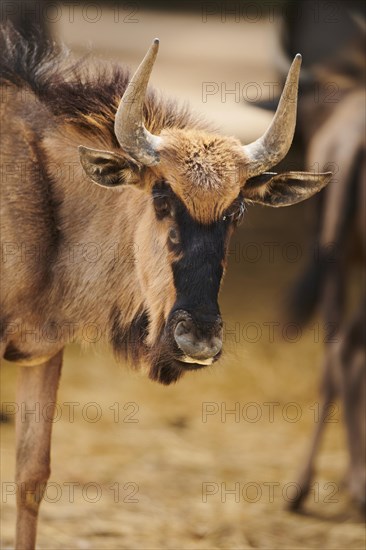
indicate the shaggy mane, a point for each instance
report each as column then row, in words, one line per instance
column 82, row 93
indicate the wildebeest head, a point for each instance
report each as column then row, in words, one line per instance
column 198, row 183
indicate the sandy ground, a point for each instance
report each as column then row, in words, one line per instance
column 139, row 466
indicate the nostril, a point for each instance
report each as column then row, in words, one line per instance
column 201, row 349
column 182, row 328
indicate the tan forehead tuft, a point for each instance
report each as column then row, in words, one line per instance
column 203, row 170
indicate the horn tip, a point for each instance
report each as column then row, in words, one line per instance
column 156, row 41
column 298, row 57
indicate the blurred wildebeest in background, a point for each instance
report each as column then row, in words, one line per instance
column 331, row 128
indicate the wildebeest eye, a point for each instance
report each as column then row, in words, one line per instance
column 162, row 207
column 173, row 236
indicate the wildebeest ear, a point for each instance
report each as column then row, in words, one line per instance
column 273, row 189
column 108, row 169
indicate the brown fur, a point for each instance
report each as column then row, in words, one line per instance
column 210, row 167
column 53, row 213
column 61, row 211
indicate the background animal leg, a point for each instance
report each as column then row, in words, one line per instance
column 353, row 380
column 328, row 394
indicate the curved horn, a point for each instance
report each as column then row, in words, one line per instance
column 272, row 147
column 129, row 121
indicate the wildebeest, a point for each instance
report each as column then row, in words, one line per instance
column 331, row 122
column 153, row 189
